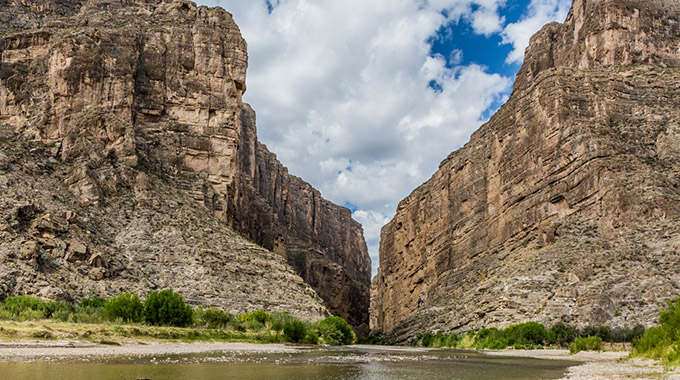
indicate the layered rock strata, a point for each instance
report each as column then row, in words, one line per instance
column 130, row 97
column 565, row 206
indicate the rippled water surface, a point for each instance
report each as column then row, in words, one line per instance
column 317, row 364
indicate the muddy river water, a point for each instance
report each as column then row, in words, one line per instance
column 318, row 364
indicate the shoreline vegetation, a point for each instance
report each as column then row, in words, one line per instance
column 162, row 316
column 35, row 329
column 534, row 335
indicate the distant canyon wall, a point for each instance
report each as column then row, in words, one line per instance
column 125, row 87
column 565, row 206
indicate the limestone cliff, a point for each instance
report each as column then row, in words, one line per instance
column 566, row 204
column 132, row 115
column 319, row 239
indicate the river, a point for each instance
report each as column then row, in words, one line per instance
column 335, row 363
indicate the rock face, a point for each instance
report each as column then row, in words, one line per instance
column 319, row 239
column 565, row 206
column 135, row 107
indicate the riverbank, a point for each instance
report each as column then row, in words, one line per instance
column 69, row 350
column 605, row 365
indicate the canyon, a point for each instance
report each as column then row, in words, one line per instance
column 129, row 162
column 565, row 205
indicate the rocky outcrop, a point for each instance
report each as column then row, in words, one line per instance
column 128, row 98
column 288, row 216
column 565, row 205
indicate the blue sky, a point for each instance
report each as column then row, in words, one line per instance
column 363, row 99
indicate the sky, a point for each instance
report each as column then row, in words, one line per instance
column 364, row 98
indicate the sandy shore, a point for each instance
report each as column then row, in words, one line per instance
column 29, row 351
column 607, row 365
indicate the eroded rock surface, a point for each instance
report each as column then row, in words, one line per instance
column 565, row 206
column 134, row 107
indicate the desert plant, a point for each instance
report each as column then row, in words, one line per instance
column 126, row 307
column 93, row 303
column 16, row 305
column 590, row 343
column 294, row 331
column 561, row 334
column 167, row 308
column 336, row 331
column 215, row 318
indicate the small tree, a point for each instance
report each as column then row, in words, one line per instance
column 335, row 331
column 562, row 334
column 126, row 307
column 215, row 318
column 294, row 331
column 167, row 308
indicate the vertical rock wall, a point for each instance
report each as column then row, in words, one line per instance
column 124, row 87
column 565, row 205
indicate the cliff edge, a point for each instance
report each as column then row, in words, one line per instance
column 565, row 206
column 130, row 162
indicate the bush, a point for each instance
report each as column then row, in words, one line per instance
column 670, row 319
column 295, row 331
column 93, row 303
column 58, row 310
column 126, row 307
column 279, row 320
column 526, row 334
column 167, row 308
column 591, row 343
column 371, row 339
column 215, row 319
column 336, row 331
column 653, row 343
column 260, row 316
column 638, row 332
column 311, row 338
column 16, row 305
column 561, row 334
column 426, row 339
column 492, row 338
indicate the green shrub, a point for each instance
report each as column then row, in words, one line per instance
column 638, row 332
column 653, row 343
column 336, row 331
column 279, row 320
column 260, row 316
column 18, row 304
column 590, row 343
column 294, row 331
column 670, row 319
column 492, row 338
column 126, row 307
column 215, row 319
column 452, row 340
column 561, row 334
column 167, row 308
column 426, row 339
column 311, row 338
column 526, row 334
column 93, row 303
column 371, row 339
column 58, row 310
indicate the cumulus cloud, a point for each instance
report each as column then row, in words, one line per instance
column 540, row 12
column 350, row 97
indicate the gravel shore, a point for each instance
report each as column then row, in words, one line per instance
column 607, row 365
column 67, row 350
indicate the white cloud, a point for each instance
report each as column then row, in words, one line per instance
column 343, row 96
column 540, row 13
